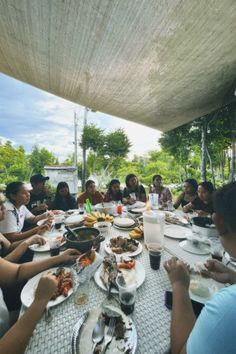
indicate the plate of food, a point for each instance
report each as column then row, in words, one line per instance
column 124, row 340
column 94, row 217
column 88, row 262
column 45, row 247
column 137, row 232
column 74, row 219
column 106, row 275
column 125, row 246
column 64, row 289
column 58, row 212
column 175, row 219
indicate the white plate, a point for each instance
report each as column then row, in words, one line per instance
column 124, row 222
column 213, row 287
column 27, row 294
column 176, row 231
column 124, row 228
column 74, row 219
column 201, row 248
column 138, row 210
column 59, row 212
column 85, row 328
column 125, row 254
column 230, row 259
column 43, row 248
column 139, row 273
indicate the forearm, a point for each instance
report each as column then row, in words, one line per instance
column 17, row 338
column 183, row 318
column 15, row 255
column 19, row 236
column 29, row 269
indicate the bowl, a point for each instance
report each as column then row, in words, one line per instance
column 83, row 246
column 107, row 208
column 103, row 226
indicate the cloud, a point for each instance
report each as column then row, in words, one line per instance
column 30, row 116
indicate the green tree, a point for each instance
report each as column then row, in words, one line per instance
column 13, row 164
column 40, row 158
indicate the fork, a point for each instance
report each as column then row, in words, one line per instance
column 109, row 335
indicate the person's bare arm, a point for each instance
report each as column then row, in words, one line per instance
column 19, row 236
column 183, row 317
column 178, row 201
column 15, row 255
column 17, row 338
column 143, row 198
column 12, row 273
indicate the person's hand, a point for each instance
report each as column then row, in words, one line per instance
column 131, row 201
column 69, row 255
column 36, row 239
column 219, row 272
column 43, row 228
column 188, row 207
column 42, row 206
column 46, row 287
column 178, row 272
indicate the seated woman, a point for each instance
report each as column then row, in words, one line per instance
column 189, row 193
column 203, row 205
column 113, row 193
column 133, row 191
column 90, row 193
column 164, row 194
column 16, row 213
column 16, row 339
column 63, row 199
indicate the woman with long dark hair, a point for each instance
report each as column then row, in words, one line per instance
column 188, row 195
column 114, row 192
column 133, row 191
column 203, row 204
column 63, row 199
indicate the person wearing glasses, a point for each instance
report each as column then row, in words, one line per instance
column 16, row 213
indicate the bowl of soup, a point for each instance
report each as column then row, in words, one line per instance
column 86, row 238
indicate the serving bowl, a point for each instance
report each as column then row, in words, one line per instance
column 83, row 232
column 107, row 208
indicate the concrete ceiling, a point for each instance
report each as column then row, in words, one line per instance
column 160, row 63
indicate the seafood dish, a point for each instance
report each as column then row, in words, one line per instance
column 121, row 244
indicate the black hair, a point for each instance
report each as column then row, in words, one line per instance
column 224, row 201
column 193, row 183
column 13, row 188
column 208, row 186
column 155, row 176
column 128, row 177
column 112, row 183
column 88, row 183
column 60, row 186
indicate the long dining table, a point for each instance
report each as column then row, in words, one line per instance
column 151, row 317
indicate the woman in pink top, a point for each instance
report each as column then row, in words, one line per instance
column 164, row 193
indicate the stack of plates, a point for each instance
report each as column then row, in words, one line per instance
column 124, row 223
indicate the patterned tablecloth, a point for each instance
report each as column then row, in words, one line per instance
column 151, row 317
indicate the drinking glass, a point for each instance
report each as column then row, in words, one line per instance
column 127, row 293
column 82, row 291
column 155, row 252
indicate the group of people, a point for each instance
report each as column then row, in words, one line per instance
column 212, row 332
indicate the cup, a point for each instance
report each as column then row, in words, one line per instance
column 119, row 208
column 153, row 200
column 155, row 252
column 127, row 293
column 82, row 292
column 54, row 244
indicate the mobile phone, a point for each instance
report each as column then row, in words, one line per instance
column 197, row 306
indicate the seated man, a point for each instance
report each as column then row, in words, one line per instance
column 40, row 197
column 214, row 330
column 90, row 193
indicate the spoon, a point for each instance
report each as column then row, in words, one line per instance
column 98, row 332
column 71, row 232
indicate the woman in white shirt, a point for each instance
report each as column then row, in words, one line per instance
column 16, row 213
column 15, row 339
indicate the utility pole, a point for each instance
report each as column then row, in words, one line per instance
column 76, row 140
column 84, row 151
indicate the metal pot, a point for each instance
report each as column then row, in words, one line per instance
column 204, row 227
column 84, row 246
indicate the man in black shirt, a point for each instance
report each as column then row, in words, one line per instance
column 40, row 197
